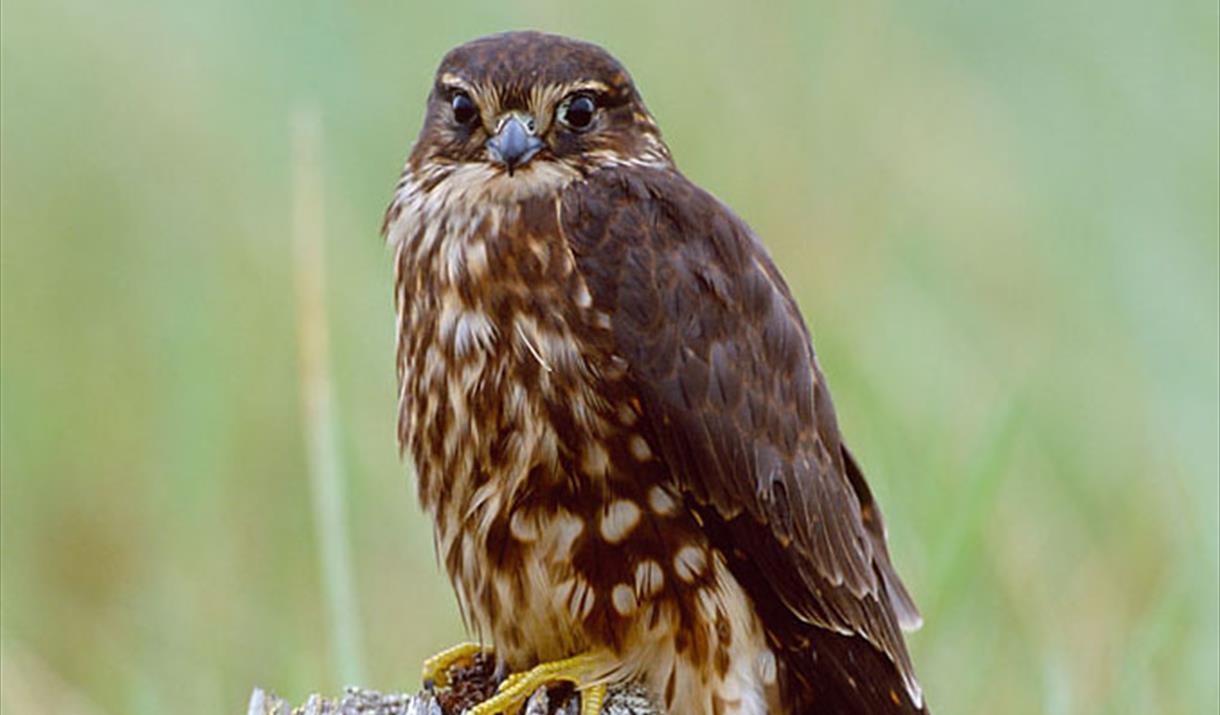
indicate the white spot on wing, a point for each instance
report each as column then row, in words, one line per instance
column 689, row 562
column 583, row 298
column 639, row 448
column 661, row 501
column 648, row 578
column 619, row 518
column 623, row 598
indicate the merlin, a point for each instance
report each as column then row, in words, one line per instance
column 617, row 421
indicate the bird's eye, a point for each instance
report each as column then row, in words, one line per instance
column 464, row 111
column 577, row 111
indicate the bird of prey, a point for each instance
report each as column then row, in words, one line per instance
column 617, row 421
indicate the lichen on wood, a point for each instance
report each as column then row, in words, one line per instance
column 467, row 687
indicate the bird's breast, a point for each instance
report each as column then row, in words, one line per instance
column 498, row 341
column 507, row 385
column 514, row 407
column 553, row 514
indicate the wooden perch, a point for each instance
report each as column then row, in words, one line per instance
column 468, row 686
column 629, row 700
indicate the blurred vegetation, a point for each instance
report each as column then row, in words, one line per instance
column 1000, row 219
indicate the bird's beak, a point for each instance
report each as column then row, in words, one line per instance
column 514, row 143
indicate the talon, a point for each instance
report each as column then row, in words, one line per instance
column 436, row 668
column 511, row 680
column 517, row 688
column 591, row 700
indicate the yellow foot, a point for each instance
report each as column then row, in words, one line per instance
column 436, row 668
column 591, row 699
column 517, row 688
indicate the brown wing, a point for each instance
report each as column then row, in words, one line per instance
column 724, row 368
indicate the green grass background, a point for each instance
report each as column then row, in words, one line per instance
column 1000, row 219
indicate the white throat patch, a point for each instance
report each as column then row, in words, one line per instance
column 469, row 188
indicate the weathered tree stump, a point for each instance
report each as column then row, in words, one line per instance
column 467, row 687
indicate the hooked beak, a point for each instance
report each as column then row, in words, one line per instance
column 514, row 143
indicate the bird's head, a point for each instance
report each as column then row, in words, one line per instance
column 532, row 109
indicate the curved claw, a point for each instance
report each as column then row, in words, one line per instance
column 436, row 668
column 591, row 700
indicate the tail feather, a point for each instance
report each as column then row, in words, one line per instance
column 834, row 674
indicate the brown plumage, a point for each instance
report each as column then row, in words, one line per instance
column 614, row 409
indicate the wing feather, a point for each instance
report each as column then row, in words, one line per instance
column 725, row 370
